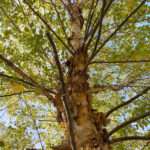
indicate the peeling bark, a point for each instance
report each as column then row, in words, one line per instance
column 89, row 130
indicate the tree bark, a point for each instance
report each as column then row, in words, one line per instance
column 89, row 126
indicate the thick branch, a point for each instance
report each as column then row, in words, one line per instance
column 129, row 138
column 128, row 101
column 119, row 62
column 128, row 122
column 117, row 29
column 64, row 90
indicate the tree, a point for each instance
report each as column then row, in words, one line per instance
column 89, row 60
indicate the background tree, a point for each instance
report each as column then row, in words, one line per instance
column 74, row 74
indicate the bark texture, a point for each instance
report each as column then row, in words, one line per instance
column 89, row 126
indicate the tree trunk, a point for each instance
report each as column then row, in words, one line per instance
column 89, row 130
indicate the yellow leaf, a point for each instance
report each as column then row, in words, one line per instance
column 131, row 4
column 15, row 87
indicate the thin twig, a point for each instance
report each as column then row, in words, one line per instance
column 114, row 87
column 14, row 94
column 16, row 69
column 98, row 23
column 20, row 72
column 25, row 16
column 62, row 24
column 122, row 125
column 89, row 19
column 117, row 29
column 129, row 138
column 49, row 27
column 24, row 82
column 119, row 62
column 34, row 122
column 16, row 79
column 128, row 101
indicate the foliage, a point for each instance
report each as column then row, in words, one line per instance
column 23, row 40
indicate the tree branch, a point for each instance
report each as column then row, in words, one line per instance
column 16, row 79
column 102, row 14
column 98, row 24
column 117, row 29
column 128, row 101
column 48, row 26
column 128, row 122
column 115, row 87
column 129, row 138
column 89, row 19
column 119, row 62
column 65, row 95
column 14, row 94
column 24, row 82
column 61, row 22
column 17, row 70
column 66, row 6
